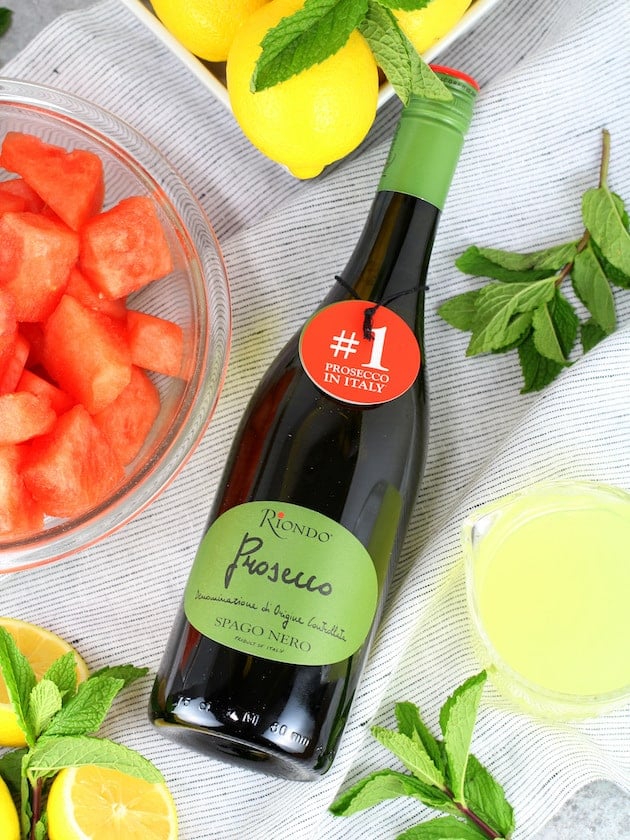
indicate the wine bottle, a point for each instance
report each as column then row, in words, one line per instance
column 289, row 581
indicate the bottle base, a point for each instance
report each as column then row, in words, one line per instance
column 241, row 753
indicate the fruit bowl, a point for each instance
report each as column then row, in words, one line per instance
column 212, row 74
column 194, row 294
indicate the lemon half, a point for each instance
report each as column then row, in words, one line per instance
column 97, row 803
column 41, row 648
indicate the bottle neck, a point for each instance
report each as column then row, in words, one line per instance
column 389, row 263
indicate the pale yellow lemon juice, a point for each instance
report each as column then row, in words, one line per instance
column 548, row 573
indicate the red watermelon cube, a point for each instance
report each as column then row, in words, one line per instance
column 128, row 420
column 14, row 366
column 58, row 400
column 73, row 467
column 155, row 343
column 11, row 203
column 70, row 182
column 19, row 513
column 124, row 248
column 8, row 328
column 81, row 289
column 17, row 187
column 23, row 416
column 85, row 354
column 35, row 261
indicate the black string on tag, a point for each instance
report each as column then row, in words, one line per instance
column 370, row 311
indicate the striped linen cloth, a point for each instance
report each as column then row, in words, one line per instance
column 553, row 73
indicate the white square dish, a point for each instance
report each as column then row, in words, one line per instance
column 213, row 75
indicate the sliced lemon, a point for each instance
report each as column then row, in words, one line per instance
column 9, row 823
column 41, row 648
column 96, row 803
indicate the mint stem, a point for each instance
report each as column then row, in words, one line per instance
column 568, row 268
column 474, row 819
column 603, row 175
column 603, row 168
column 36, row 806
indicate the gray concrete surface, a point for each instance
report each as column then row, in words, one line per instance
column 601, row 811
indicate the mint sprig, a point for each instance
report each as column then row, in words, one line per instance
column 525, row 309
column 443, row 774
column 321, row 27
column 59, row 719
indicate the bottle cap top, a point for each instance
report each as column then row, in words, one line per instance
column 429, row 139
column 458, row 74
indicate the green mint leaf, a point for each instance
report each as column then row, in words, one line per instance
column 497, row 305
column 412, row 754
column 309, row 36
column 591, row 286
column 44, row 703
column 521, row 336
column 63, row 673
column 457, row 721
column 621, row 209
column 51, row 755
column 538, row 371
column 383, row 785
column 601, row 216
column 41, row 829
column 398, row 58
column 406, row 5
column 443, row 828
column 475, row 261
column 486, row 798
column 460, row 311
column 555, row 327
column 411, row 724
column 612, row 272
column 11, row 770
column 127, row 673
column 6, row 15
column 85, row 712
column 19, row 679
column 549, row 259
column 591, row 334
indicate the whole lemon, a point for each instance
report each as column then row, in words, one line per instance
column 313, row 118
column 205, row 27
column 9, row 823
column 424, row 27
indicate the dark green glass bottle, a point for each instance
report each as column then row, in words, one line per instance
column 290, row 578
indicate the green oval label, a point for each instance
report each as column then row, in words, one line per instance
column 282, row 582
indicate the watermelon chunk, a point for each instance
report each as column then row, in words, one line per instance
column 85, row 354
column 81, row 289
column 35, row 260
column 23, row 416
column 8, row 329
column 124, row 248
column 15, row 365
column 11, row 203
column 127, row 421
column 18, row 187
column 155, row 343
column 19, row 513
column 58, row 400
column 73, row 467
column 70, row 183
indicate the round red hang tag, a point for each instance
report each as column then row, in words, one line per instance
column 346, row 365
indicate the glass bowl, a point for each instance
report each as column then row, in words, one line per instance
column 548, row 583
column 195, row 295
